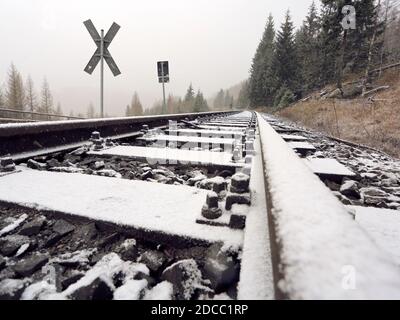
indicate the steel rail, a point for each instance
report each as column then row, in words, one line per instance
column 33, row 113
column 14, row 120
column 23, row 138
column 315, row 243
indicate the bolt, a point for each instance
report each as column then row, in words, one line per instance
column 98, row 144
column 211, row 209
column 109, row 142
column 240, row 183
column 219, row 186
column 7, row 164
column 212, row 200
column 95, row 135
column 236, row 154
column 211, row 213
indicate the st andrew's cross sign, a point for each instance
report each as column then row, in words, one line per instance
column 102, row 42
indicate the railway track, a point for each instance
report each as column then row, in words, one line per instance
column 196, row 206
column 13, row 120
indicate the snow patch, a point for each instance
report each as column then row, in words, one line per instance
column 383, row 226
column 131, row 290
column 11, row 227
column 39, row 291
column 78, row 257
column 105, row 269
column 162, row 291
column 11, row 286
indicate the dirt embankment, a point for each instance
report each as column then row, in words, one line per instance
column 374, row 123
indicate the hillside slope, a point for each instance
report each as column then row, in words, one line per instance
column 374, row 123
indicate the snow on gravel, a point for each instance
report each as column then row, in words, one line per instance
column 192, row 275
column 322, row 249
column 10, row 286
column 150, row 206
column 162, row 291
column 105, row 269
column 14, row 225
column 39, row 291
column 131, row 290
column 78, row 257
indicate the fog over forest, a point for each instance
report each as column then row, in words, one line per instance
column 208, row 43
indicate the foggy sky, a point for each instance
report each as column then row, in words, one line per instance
column 208, row 42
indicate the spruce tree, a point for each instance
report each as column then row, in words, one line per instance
column 200, row 104
column 59, row 111
column 285, row 59
column 228, row 100
column 2, row 113
column 128, row 111
column 2, row 102
column 365, row 38
column 31, row 98
column 47, row 98
column 308, row 51
column 337, row 43
column 1, row 98
column 189, row 99
column 180, row 105
column 330, row 38
column 261, row 82
column 243, row 99
column 219, row 99
column 136, row 106
column 15, row 94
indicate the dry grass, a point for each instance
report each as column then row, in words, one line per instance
column 375, row 124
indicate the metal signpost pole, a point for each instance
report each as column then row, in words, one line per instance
column 163, row 86
column 102, row 73
column 102, row 54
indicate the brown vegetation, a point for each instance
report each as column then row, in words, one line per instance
column 374, row 122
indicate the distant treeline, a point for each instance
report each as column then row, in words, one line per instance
column 192, row 102
column 290, row 64
column 225, row 100
column 21, row 95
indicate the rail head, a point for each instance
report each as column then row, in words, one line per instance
column 14, row 129
column 25, row 139
column 320, row 251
